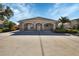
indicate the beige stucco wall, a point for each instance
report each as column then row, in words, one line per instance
column 74, row 23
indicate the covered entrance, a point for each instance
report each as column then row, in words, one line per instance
column 38, row 26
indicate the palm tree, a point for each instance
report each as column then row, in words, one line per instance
column 6, row 13
column 63, row 20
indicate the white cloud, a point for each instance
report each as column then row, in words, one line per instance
column 16, row 11
column 59, row 11
column 57, row 5
column 22, row 11
column 69, row 10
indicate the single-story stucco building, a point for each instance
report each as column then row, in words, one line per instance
column 38, row 23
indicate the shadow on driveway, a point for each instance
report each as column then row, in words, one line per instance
column 39, row 33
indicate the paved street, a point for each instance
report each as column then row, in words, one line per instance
column 39, row 43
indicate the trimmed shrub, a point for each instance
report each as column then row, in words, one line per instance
column 60, row 30
column 72, row 31
column 66, row 31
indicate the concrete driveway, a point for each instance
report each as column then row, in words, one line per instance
column 41, row 44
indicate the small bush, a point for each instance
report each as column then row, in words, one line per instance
column 1, row 30
column 6, row 29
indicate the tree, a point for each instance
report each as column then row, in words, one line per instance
column 11, row 24
column 8, row 12
column 5, row 13
column 8, row 24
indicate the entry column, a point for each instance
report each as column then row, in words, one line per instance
column 54, row 26
column 43, row 28
column 34, row 26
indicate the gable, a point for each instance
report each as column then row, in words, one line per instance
column 38, row 19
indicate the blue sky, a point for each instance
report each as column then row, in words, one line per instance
column 47, row 10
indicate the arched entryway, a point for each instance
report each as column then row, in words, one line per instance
column 38, row 26
column 48, row 26
column 28, row 26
